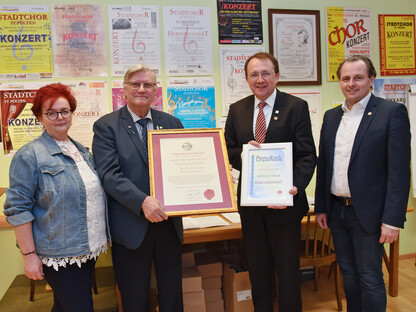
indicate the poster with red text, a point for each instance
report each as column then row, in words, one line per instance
column 134, row 37
column 397, row 45
column 239, row 22
column 119, row 100
column 234, row 86
column 18, row 124
column 92, row 98
column 188, row 41
column 348, row 33
column 79, row 40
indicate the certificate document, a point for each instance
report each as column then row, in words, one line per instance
column 189, row 173
column 295, row 45
column 267, row 175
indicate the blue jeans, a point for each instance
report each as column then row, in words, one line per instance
column 360, row 256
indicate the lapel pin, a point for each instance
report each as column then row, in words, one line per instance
column 369, row 113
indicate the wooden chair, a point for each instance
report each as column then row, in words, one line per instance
column 317, row 251
column 32, row 287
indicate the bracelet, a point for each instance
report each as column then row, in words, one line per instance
column 26, row 254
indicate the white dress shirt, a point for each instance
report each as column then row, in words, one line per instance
column 344, row 141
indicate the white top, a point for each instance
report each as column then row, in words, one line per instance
column 344, row 141
column 97, row 237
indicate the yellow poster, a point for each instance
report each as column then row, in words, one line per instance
column 397, row 45
column 25, row 42
column 348, row 33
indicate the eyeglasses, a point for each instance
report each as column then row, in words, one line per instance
column 54, row 115
column 137, row 85
column 264, row 75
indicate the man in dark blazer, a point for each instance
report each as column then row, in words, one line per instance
column 363, row 181
column 272, row 234
column 140, row 229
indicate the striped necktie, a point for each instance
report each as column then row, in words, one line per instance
column 143, row 123
column 260, row 130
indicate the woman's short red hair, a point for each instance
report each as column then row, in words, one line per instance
column 53, row 92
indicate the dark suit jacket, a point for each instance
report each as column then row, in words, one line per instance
column 293, row 124
column 379, row 168
column 124, row 171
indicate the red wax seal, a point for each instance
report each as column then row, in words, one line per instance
column 209, row 193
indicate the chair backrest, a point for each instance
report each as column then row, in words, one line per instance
column 317, row 248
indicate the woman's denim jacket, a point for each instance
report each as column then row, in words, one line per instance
column 47, row 190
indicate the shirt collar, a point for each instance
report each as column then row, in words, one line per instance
column 135, row 117
column 269, row 101
column 362, row 103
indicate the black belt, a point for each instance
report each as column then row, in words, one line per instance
column 345, row 201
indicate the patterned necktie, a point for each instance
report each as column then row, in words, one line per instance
column 143, row 123
column 260, row 130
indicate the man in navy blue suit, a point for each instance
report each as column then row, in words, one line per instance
column 272, row 234
column 363, row 181
column 140, row 229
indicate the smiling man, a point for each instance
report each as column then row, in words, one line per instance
column 272, row 234
column 140, row 229
column 363, row 181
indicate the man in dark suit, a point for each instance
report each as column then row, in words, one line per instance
column 272, row 234
column 140, row 229
column 363, row 181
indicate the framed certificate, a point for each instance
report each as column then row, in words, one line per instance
column 294, row 39
column 267, row 175
column 189, row 171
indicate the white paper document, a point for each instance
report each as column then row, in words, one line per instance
column 202, row 222
column 233, row 217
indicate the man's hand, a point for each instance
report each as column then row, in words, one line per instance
column 293, row 191
column 388, row 235
column 153, row 210
column 256, row 144
column 320, row 218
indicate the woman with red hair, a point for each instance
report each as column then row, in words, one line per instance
column 56, row 204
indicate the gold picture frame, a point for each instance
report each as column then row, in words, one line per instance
column 190, row 172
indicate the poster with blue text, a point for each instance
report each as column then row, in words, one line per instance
column 393, row 89
column 192, row 100
column 25, row 42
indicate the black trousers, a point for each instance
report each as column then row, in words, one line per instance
column 132, row 270
column 272, row 247
column 71, row 287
